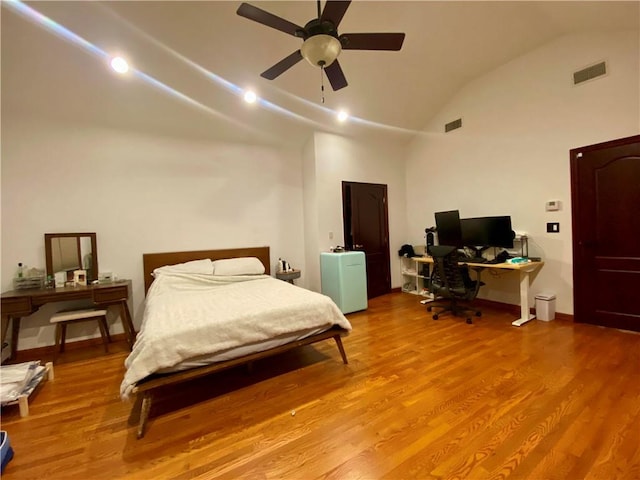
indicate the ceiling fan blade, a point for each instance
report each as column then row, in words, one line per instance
column 334, row 11
column 282, row 66
column 372, row 41
column 269, row 19
column 336, row 76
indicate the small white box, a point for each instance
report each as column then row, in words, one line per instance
column 105, row 277
column 60, row 278
column 545, row 306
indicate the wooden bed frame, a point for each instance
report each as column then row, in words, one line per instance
column 147, row 386
column 151, row 261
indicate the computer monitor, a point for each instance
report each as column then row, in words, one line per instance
column 448, row 228
column 500, row 232
column 485, row 232
column 475, row 232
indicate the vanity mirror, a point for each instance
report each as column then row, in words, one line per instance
column 67, row 252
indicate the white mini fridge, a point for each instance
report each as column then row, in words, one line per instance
column 344, row 279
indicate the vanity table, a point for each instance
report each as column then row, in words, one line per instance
column 21, row 303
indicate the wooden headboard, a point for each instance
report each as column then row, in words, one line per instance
column 151, row 261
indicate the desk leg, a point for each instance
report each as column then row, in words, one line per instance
column 15, row 333
column 525, row 316
column 127, row 323
column 5, row 326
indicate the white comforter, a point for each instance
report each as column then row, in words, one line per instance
column 188, row 315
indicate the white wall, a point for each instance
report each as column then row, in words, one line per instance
column 312, row 270
column 339, row 159
column 519, row 123
column 140, row 194
column 144, row 193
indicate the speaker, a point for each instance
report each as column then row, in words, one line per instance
column 430, row 241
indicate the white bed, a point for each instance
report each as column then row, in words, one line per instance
column 196, row 322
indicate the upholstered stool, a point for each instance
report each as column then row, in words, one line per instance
column 61, row 319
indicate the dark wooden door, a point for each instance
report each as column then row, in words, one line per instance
column 605, row 195
column 366, row 228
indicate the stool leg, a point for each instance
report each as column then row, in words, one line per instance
column 104, row 333
column 64, row 335
column 57, row 346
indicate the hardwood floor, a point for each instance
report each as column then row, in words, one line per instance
column 419, row 399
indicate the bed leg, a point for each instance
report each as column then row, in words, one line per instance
column 144, row 413
column 341, row 348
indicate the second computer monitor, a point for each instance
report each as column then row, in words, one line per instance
column 487, row 232
column 501, row 233
column 475, row 232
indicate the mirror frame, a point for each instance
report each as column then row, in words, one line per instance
column 94, row 251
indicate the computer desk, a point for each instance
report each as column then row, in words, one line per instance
column 525, row 270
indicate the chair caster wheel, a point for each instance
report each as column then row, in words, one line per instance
column 435, row 317
column 428, row 309
column 469, row 321
column 478, row 314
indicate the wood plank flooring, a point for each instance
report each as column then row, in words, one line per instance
column 419, row 399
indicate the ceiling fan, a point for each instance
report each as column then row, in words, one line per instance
column 322, row 44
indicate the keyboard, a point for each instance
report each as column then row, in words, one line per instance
column 472, row 259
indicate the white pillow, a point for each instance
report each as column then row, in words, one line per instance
column 204, row 266
column 238, row 266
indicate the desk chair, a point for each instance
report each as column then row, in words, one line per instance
column 447, row 283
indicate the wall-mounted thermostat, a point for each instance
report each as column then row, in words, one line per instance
column 552, row 205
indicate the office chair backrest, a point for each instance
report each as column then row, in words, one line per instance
column 447, row 279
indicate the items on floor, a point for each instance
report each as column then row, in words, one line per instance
column 19, row 381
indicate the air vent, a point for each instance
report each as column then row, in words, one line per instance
column 590, row 73
column 453, row 125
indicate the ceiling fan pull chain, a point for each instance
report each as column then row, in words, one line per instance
column 322, row 82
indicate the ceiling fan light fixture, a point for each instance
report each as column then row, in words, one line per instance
column 321, row 50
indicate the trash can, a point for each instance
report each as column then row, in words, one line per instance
column 545, row 306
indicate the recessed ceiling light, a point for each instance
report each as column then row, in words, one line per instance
column 250, row 96
column 342, row 116
column 119, row 64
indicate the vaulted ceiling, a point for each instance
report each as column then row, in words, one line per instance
column 192, row 59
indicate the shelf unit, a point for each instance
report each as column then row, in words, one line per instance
column 415, row 275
